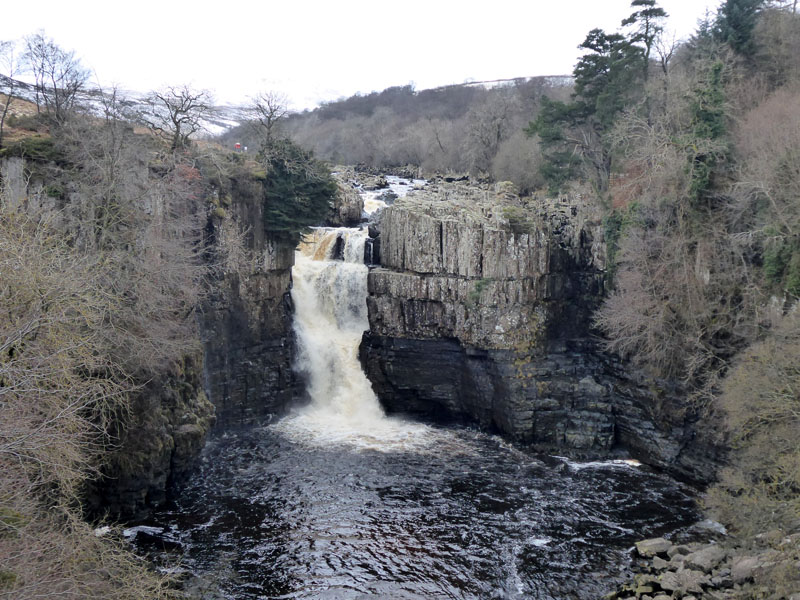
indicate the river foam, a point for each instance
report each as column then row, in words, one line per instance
column 329, row 294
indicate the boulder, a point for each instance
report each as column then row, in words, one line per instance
column 348, row 206
column 684, row 581
column 743, row 567
column 659, row 564
column 706, row 559
column 653, row 546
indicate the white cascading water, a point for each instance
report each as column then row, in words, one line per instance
column 330, row 317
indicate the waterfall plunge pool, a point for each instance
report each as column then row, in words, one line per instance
column 337, row 501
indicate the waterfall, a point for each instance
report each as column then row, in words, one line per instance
column 329, row 296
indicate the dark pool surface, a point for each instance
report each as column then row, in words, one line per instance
column 470, row 517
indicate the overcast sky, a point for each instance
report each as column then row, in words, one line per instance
column 314, row 51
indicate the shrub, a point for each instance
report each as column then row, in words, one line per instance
column 35, row 148
column 760, row 489
column 60, row 389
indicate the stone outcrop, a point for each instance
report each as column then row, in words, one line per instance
column 157, row 439
column 481, row 312
column 246, row 322
column 717, row 570
column 167, row 427
column 348, row 206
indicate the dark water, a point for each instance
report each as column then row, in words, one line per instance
column 472, row 517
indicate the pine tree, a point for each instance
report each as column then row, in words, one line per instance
column 571, row 134
column 647, row 19
column 298, row 190
column 735, row 22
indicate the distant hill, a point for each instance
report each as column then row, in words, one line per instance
column 223, row 118
column 475, row 126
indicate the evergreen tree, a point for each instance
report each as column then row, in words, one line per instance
column 647, row 21
column 705, row 141
column 571, row 134
column 735, row 22
column 298, row 190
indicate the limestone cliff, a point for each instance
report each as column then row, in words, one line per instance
column 348, row 205
column 481, row 311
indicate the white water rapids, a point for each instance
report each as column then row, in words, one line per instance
column 330, row 317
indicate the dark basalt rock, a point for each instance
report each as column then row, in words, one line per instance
column 249, row 349
column 479, row 319
column 246, row 325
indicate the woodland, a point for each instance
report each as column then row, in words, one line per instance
column 690, row 148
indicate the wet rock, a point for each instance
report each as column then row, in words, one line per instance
column 348, row 205
column 388, row 197
column 651, row 547
column 373, row 182
column 246, row 324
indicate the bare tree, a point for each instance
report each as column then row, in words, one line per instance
column 489, row 124
column 267, row 111
column 790, row 5
column 58, row 75
column 177, row 113
column 11, row 66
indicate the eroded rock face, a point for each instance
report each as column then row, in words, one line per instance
column 481, row 312
column 453, row 267
column 246, row 323
column 169, row 420
column 348, row 205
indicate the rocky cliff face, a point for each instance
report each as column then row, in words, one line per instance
column 481, row 312
column 169, row 415
column 348, row 205
column 247, row 321
column 166, row 430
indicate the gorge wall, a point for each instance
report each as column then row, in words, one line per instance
column 246, row 322
column 481, row 312
column 154, row 441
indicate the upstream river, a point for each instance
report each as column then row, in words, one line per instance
column 338, row 501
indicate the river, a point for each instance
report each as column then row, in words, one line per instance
column 339, row 501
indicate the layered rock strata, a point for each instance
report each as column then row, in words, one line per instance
column 481, row 312
column 246, row 323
